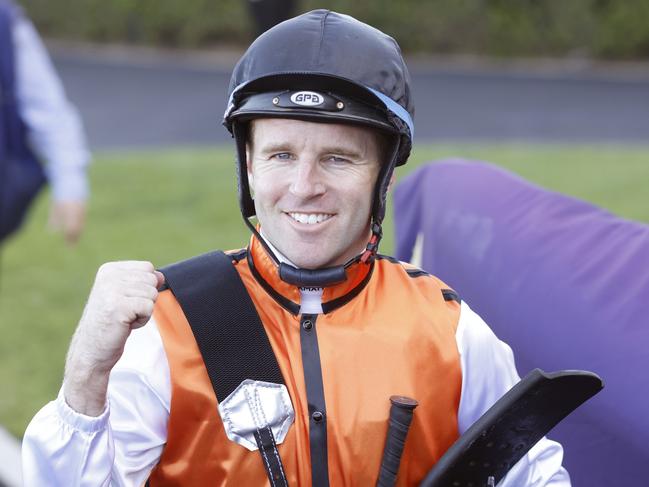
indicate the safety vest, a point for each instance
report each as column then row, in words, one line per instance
column 385, row 331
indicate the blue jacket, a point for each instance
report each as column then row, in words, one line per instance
column 21, row 175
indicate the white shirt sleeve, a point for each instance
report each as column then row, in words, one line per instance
column 55, row 132
column 488, row 371
column 64, row 448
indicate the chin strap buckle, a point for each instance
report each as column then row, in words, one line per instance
column 373, row 244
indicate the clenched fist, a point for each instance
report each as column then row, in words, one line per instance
column 121, row 300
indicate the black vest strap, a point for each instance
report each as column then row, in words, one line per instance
column 229, row 334
column 226, row 325
column 270, row 456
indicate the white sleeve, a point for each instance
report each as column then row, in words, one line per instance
column 54, row 129
column 119, row 448
column 488, row 371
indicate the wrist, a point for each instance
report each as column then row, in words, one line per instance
column 78, row 421
column 85, row 389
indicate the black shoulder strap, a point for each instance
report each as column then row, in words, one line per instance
column 483, row 455
column 227, row 328
column 229, row 334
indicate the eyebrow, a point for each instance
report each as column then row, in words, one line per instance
column 275, row 147
column 344, row 151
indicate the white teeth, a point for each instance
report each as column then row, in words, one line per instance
column 310, row 218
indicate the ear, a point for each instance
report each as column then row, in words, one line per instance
column 251, row 179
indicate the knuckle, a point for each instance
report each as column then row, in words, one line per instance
column 107, row 269
column 152, row 280
column 104, row 268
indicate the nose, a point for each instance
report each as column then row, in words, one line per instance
column 307, row 180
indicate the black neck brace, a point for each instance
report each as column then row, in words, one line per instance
column 327, row 276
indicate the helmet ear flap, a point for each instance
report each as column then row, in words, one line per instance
column 246, row 203
column 383, row 182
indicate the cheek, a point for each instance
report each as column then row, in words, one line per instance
column 267, row 189
column 357, row 200
column 363, row 190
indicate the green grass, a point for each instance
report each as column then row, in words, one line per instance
column 165, row 206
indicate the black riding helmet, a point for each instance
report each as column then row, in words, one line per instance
column 323, row 66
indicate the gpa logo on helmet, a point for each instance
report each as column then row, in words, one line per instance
column 307, row 98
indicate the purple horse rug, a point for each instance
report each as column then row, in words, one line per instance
column 564, row 282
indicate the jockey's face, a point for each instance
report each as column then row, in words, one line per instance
column 313, row 186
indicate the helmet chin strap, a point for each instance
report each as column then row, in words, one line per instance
column 373, row 245
column 326, row 276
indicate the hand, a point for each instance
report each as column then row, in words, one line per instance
column 69, row 218
column 121, row 300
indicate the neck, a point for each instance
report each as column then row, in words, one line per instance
column 266, row 269
column 292, row 274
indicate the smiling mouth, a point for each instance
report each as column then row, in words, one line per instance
column 310, row 218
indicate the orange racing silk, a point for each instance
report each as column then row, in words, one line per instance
column 385, row 331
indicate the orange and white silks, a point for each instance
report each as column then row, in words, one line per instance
column 395, row 336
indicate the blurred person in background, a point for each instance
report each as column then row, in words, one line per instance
column 41, row 136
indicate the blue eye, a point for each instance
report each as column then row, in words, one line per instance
column 338, row 160
column 284, row 156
